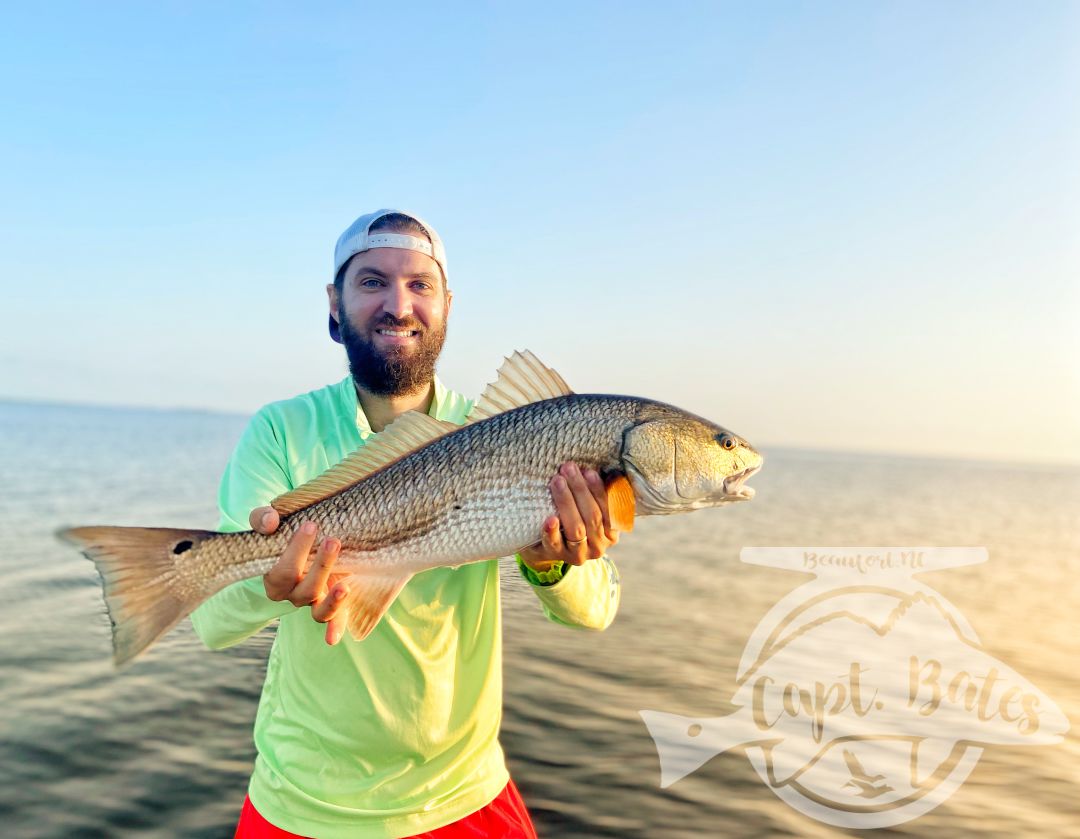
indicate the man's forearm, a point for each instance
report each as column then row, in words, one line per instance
column 585, row 596
column 236, row 613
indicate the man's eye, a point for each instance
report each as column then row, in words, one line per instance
column 370, row 282
column 421, row 286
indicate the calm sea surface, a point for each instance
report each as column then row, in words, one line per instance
column 163, row 748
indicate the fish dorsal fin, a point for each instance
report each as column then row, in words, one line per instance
column 522, row 379
column 403, row 436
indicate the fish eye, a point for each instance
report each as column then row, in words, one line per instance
column 726, row 441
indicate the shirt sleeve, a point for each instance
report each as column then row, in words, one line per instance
column 585, row 596
column 255, row 475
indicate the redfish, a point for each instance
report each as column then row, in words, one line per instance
column 425, row 493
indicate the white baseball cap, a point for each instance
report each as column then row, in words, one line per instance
column 357, row 238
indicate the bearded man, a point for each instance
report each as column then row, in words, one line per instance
column 395, row 735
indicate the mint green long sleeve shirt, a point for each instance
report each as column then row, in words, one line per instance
column 396, row 734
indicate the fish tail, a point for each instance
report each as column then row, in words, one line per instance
column 679, row 753
column 140, row 580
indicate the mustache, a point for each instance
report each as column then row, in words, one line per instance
column 388, row 321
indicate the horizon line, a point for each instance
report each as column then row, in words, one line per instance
column 790, row 447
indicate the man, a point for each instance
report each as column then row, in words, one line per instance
column 396, row 735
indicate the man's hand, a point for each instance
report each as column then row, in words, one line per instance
column 304, row 581
column 581, row 529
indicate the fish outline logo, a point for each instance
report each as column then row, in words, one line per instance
column 864, row 698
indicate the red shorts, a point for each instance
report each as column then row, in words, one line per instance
column 504, row 817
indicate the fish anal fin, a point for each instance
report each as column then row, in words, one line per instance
column 621, row 502
column 522, row 379
column 409, row 432
column 369, row 597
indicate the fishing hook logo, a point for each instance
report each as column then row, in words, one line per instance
column 864, row 698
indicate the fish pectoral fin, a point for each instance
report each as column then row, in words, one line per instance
column 409, row 432
column 621, row 503
column 369, row 597
column 522, row 380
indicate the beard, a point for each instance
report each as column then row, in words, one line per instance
column 397, row 371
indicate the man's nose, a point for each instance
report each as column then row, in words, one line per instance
column 397, row 302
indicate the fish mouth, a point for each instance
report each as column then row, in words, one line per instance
column 734, row 484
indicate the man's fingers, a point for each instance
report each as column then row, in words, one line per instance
column 336, row 626
column 574, row 535
column 264, row 520
column 552, row 536
column 280, row 580
column 332, row 605
column 588, row 512
column 550, row 547
column 599, row 494
column 313, row 586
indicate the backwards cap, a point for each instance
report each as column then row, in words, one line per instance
column 358, row 238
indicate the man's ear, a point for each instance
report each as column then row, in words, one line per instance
column 332, row 297
column 449, row 300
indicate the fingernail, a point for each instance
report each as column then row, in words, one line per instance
column 308, row 528
column 339, row 593
column 559, row 482
column 334, row 637
column 572, row 469
column 331, row 545
column 265, row 520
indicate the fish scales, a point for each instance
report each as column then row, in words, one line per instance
column 477, row 493
column 467, row 495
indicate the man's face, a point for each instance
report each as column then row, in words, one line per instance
column 391, row 313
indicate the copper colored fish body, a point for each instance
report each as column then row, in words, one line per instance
column 425, row 493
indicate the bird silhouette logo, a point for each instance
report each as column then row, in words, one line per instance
column 866, row 784
column 863, row 666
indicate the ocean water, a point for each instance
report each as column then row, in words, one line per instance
column 163, row 748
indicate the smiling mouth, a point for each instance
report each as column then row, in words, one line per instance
column 733, row 484
column 398, row 333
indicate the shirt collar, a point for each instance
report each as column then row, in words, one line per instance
column 439, row 404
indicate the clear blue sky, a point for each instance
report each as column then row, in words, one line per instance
column 832, row 225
